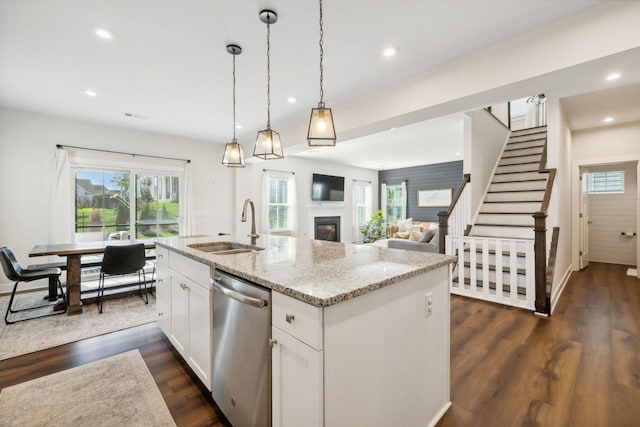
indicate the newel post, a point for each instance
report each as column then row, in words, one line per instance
column 540, row 251
column 443, row 219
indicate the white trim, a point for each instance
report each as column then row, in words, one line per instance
column 555, row 296
column 439, row 415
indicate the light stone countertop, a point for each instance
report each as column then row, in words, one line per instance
column 317, row 272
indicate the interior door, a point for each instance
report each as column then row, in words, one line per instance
column 584, row 222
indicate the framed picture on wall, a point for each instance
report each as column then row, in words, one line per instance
column 434, row 198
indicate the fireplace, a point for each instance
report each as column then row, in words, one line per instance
column 327, row 228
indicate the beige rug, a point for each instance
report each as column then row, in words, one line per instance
column 38, row 334
column 116, row 391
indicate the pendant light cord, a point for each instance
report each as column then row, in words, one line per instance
column 268, row 75
column 234, row 97
column 321, row 54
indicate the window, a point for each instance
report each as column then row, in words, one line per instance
column 361, row 207
column 605, row 182
column 106, row 207
column 395, row 198
column 279, row 195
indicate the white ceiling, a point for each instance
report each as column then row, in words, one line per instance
column 167, row 64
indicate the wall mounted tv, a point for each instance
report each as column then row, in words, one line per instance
column 327, row 188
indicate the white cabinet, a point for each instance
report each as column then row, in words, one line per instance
column 296, row 358
column 185, row 312
column 163, row 290
column 375, row 360
column 296, row 382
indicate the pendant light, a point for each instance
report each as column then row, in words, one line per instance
column 233, row 153
column 321, row 129
column 268, row 144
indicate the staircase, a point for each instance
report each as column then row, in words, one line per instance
column 496, row 260
column 517, row 189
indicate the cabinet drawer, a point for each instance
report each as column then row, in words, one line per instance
column 191, row 269
column 162, row 256
column 299, row 319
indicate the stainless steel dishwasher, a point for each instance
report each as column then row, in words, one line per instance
column 241, row 352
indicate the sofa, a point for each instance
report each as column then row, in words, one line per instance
column 413, row 236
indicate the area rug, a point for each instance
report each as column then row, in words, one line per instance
column 116, row 391
column 46, row 332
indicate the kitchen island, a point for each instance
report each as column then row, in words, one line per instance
column 359, row 334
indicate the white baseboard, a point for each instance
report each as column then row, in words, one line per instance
column 555, row 296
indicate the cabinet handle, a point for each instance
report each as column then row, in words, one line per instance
column 160, row 280
column 160, row 314
column 272, row 342
column 290, row 318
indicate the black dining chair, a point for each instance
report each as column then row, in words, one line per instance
column 14, row 271
column 119, row 260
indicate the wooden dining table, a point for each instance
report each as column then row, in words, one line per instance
column 73, row 252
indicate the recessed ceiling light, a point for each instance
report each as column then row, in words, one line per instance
column 103, row 34
column 392, row 129
column 457, row 153
column 613, row 76
column 90, row 93
column 238, row 126
column 291, row 100
column 608, row 119
column 389, row 52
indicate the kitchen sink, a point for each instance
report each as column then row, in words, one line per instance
column 224, row 248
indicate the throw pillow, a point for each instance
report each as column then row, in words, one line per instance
column 402, row 224
column 413, row 227
column 426, row 236
column 393, row 229
column 414, row 236
column 401, row 235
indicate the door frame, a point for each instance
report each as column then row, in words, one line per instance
column 576, row 166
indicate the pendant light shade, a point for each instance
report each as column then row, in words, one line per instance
column 321, row 129
column 321, row 132
column 233, row 153
column 268, row 146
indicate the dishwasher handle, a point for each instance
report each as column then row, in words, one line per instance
column 244, row 299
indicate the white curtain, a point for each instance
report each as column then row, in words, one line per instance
column 383, row 200
column 293, row 201
column 61, row 215
column 186, row 204
column 265, row 203
column 403, row 185
column 354, row 209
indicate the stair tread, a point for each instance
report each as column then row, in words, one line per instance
column 522, row 155
column 521, row 148
column 515, row 191
column 524, row 180
column 515, row 201
column 504, row 213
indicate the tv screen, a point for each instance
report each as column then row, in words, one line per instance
column 327, row 188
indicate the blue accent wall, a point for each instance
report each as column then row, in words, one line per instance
column 427, row 177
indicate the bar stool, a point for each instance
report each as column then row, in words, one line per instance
column 14, row 271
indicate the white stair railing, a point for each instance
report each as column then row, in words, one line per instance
column 493, row 269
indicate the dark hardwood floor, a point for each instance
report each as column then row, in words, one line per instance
column 580, row 367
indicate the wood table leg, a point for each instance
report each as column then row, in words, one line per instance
column 73, row 285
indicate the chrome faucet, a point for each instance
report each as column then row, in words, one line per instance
column 253, row 234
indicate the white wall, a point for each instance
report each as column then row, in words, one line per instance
column 559, row 213
column 611, row 214
column 27, row 149
column 604, row 145
column 249, row 185
column 482, row 152
column 489, row 76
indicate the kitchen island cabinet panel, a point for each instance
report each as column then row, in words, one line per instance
column 296, row 382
